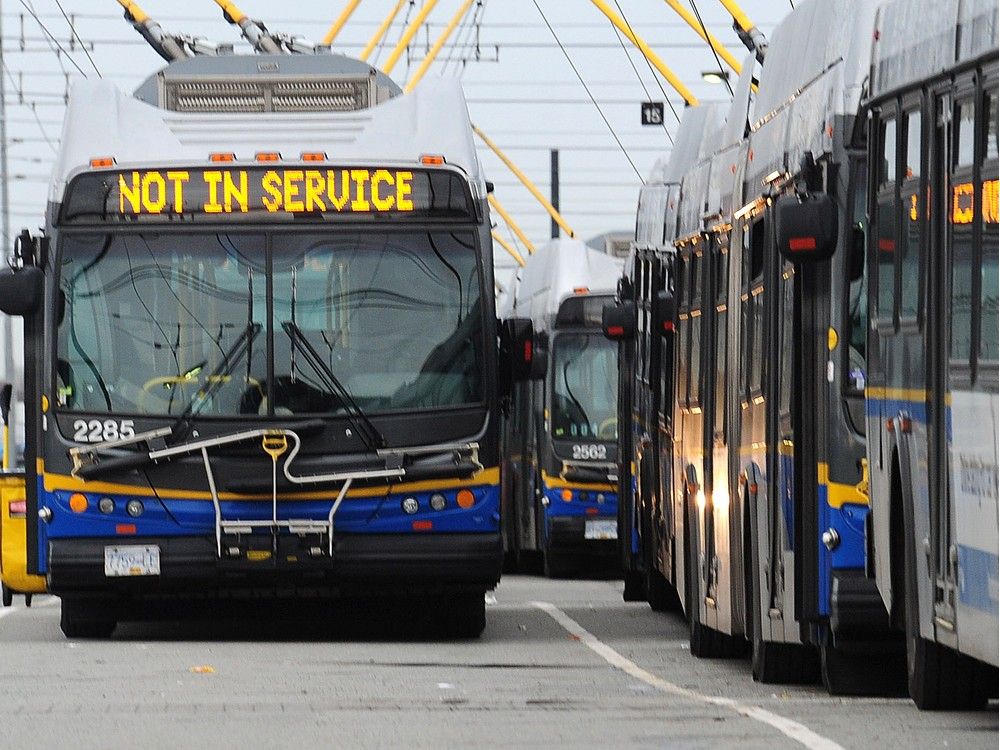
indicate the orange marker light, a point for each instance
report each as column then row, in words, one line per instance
column 581, row 289
column 314, row 156
column 267, row 156
column 125, row 528
column 591, row 511
column 465, row 499
column 222, row 157
column 103, row 161
column 433, row 159
column 423, row 525
column 78, row 502
column 567, row 495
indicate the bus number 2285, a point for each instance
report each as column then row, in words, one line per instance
column 102, row 431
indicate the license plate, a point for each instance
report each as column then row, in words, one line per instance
column 133, row 560
column 600, row 529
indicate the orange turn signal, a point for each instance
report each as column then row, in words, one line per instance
column 103, row 161
column 465, row 499
column 434, row 159
column 78, row 502
column 567, row 495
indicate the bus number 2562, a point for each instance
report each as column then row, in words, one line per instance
column 102, row 431
column 590, row 452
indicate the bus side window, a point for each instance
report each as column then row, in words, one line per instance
column 885, row 225
column 681, row 286
column 962, row 219
column 912, row 221
column 988, row 302
column 694, row 358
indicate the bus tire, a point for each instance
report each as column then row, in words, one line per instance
column 865, row 673
column 85, row 620
column 555, row 565
column 660, row 594
column 465, row 615
column 6, row 595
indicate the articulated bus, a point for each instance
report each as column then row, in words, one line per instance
column 762, row 496
column 646, row 377
column 261, row 344
column 931, row 389
column 559, row 493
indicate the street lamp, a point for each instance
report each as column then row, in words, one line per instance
column 715, row 76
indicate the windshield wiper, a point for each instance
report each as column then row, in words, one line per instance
column 218, row 376
column 369, row 433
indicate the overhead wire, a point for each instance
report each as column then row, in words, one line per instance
column 649, row 65
column 72, row 28
column 642, row 83
column 718, row 61
column 587, row 89
column 53, row 40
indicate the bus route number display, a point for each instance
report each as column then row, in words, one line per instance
column 243, row 191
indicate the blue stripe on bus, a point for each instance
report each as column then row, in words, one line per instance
column 977, row 579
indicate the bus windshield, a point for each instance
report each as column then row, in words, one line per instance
column 160, row 323
column 585, row 387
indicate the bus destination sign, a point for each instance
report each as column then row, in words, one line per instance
column 254, row 193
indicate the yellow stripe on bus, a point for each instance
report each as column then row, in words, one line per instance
column 837, row 493
column 558, row 483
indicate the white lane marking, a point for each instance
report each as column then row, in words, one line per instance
column 791, row 729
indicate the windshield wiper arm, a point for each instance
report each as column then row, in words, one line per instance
column 218, row 376
column 368, row 432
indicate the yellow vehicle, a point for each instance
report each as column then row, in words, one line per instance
column 14, row 578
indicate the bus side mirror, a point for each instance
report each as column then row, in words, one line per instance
column 618, row 320
column 519, row 348
column 664, row 312
column 21, row 290
column 806, row 227
column 539, row 356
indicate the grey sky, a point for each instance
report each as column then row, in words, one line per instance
column 521, row 91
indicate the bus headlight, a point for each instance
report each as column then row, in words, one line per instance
column 106, row 505
column 438, row 501
column 410, row 505
column 134, row 508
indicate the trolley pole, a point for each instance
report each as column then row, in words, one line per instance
column 554, row 183
column 6, row 329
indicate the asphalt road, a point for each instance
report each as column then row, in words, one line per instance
column 561, row 664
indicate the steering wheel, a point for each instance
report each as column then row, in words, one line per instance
column 608, row 428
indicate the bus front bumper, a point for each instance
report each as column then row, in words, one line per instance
column 362, row 563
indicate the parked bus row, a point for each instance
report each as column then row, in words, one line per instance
column 808, row 357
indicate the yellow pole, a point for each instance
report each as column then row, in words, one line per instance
column 410, row 32
column 653, row 58
column 511, row 223
column 5, row 436
column 381, row 31
column 712, row 41
column 231, row 10
column 342, row 19
column 556, row 216
column 506, row 246
column 432, row 55
column 741, row 18
column 134, row 10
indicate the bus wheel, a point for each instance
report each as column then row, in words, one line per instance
column 7, row 595
column 464, row 615
column 662, row 597
column 938, row 677
column 635, row 586
column 555, row 565
column 85, row 620
column 875, row 670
